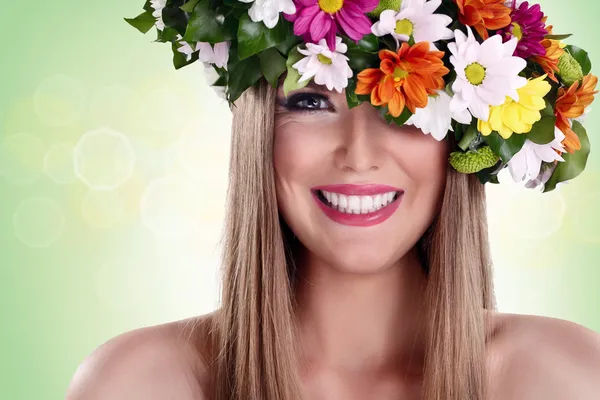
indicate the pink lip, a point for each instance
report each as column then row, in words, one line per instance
column 362, row 220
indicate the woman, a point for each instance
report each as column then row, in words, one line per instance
column 356, row 260
column 323, row 304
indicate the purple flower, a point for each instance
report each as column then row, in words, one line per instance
column 318, row 19
column 528, row 26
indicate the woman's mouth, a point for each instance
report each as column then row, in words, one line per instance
column 358, row 205
column 351, row 204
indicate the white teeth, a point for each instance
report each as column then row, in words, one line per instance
column 366, row 204
column 358, row 204
column 334, row 199
column 343, row 201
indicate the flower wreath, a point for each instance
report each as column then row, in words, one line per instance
column 489, row 71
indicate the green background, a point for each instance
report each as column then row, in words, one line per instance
column 129, row 238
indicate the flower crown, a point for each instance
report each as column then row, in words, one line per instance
column 488, row 72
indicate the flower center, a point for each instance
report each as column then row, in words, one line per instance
column 399, row 74
column 331, row 6
column 404, row 27
column 475, row 73
column 517, row 31
column 324, row 59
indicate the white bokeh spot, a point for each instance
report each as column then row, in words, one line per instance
column 39, row 222
column 104, row 159
column 59, row 100
column 21, row 158
column 58, row 164
column 102, row 209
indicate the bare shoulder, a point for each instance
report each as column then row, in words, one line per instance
column 152, row 363
column 538, row 357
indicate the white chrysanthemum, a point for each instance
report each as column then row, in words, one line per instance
column 416, row 18
column 158, row 6
column 436, row 117
column 268, row 11
column 217, row 54
column 485, row 73
column 526, row 164
column 329, row 68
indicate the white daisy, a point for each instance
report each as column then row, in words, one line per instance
column 158, row 6
column 268, row 11
column 329, row 68
column 485, row 73
column 436, row 117
column 526, row 164
column 217, row 54
column 416, row 18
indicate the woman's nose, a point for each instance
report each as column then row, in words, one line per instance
column 358, row 148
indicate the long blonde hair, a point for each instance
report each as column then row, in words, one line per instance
column 253, row 343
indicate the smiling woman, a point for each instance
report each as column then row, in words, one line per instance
column 356, row 261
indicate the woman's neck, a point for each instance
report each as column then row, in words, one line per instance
column 362, row 322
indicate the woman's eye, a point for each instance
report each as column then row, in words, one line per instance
column 307, row 102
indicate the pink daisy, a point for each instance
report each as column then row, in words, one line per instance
column 318, row 19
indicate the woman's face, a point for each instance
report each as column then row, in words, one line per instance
column 357, row 192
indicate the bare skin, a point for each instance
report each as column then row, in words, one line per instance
column 529, row 358
column 359, row 296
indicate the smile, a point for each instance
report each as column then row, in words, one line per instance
column 358, row 205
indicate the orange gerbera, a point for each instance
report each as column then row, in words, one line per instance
column 404, row 79
column 571, row 103
column 554, row 49
column 549, row 62
column 483, row 15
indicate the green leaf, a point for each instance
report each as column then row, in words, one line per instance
column 574, row 163
column 582, row 57
column 293, row 76
column 167, row 35
column 174, row 18
column 254, row 37
column 289, row 42
column 272, row 65
column 542, row 131
column 558, row 37
column 237, row 4
column 205, row 25
column 505, row 148
column 180, row 59
column 369, row 43
column 148, row 6
column 189, row 6
column 242, row 75
column 143, row 22
column 469, row 135
column 401, row 119
column 361, row 60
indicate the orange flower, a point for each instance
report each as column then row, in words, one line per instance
column 483, row 15
column 549, row 62
column 554, row 49
column 404, row 79
column 571, row 103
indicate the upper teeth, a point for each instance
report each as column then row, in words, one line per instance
column 358, row 204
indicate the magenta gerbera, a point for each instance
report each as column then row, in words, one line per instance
column 528, row 26
column 318, row 19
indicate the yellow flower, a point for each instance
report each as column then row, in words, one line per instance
column 517, row 116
